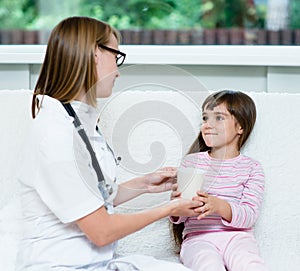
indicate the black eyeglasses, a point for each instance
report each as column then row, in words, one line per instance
column 120, row 57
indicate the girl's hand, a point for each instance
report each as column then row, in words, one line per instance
column 161, row 180
column 212, row 205
column 209, row 203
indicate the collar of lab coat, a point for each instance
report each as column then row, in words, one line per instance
column 87, row 114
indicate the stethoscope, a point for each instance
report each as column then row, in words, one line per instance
column 105, row 188
column 116, row 158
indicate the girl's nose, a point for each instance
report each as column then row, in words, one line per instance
column 208, row 124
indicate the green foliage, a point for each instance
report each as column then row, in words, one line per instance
column 261, row 13
column 17, row 13
column 133, row 14
column 228, row 13
column 51, row 12
column 294, row 14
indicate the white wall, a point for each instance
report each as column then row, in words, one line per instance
column 188, row 68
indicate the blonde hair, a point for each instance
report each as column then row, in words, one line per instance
column 69, row 64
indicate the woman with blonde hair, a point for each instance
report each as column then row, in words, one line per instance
column 68, row 186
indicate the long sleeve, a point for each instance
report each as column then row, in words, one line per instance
column 246, row 211
column 239, row 181
column 177, row 220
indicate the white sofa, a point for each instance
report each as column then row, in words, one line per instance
column 150, row 129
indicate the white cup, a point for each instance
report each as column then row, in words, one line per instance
column 189, row 181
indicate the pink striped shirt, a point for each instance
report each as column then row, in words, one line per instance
column 239, row 181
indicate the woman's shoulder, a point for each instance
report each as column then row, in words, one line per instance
column 52, row 123
column 52, row 112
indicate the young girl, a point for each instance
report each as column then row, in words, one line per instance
column 221, row 237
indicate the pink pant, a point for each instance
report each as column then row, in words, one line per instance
column 221, row 251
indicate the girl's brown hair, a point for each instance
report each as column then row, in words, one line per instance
column 69, row 64
column 239, row 105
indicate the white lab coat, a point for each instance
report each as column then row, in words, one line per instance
column 58, row 187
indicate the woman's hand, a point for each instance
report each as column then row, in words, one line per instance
column 212, row 205
column 184, row 208
column 160, row 180
column 175, row 193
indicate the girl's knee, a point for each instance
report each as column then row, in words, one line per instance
column 242, row 254
column 246, row 262
column 202, row 258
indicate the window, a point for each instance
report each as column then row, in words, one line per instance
column 226, row 22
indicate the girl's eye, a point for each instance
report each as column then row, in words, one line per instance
column 219, row 117
column 204, row 118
